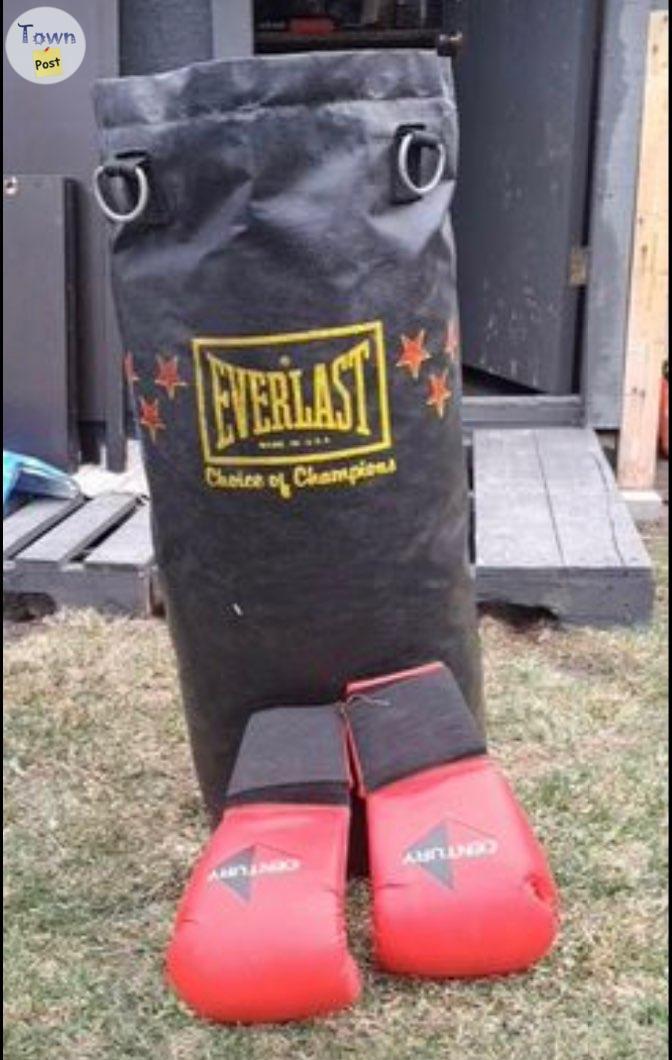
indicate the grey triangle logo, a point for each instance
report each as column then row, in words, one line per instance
column 240, row 872
column 442, row 848
column 236, row 873
column 431, row 853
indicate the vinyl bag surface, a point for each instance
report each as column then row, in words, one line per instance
column 284, row 274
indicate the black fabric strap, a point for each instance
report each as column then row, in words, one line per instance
column 410, row 726
column 291, row 754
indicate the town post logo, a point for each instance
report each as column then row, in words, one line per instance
column 294, row 411
column 45, row 45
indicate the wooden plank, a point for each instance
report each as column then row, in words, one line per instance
column 514, row 526
column 513, row 410
column 127, row 592
column 71, row 537
column 587, row 598
column 612, row 208
column 648, row 310
column 508, row 463
column 552, row 530
column 594, row 527
column 30, row 522
column 128, row 547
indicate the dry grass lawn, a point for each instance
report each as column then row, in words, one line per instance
column 102, row 823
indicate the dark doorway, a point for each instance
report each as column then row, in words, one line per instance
column 525, row 84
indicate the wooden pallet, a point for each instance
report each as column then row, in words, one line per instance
column 95, row 553
column 551, row 531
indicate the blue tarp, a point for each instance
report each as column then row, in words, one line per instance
column 27, row 475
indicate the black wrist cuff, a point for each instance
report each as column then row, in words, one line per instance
column 291, row 754
column 410, row 726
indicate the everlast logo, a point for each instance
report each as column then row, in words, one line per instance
column 438, row 852
column 239, row 872
column 289, row 399
column 249, row 404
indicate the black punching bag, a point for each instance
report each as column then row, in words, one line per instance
column 284, row 274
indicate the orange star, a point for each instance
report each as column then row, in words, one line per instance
column 414, row 355
column 439, row 393
column 453, row 340
column 169, row 375
column 129, row 370
column 150, row 417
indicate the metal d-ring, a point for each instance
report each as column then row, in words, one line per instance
column 143, row 192
column 410, row 140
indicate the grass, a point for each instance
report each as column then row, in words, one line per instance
column 102, row 823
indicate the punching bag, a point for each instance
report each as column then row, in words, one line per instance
column 284, row 274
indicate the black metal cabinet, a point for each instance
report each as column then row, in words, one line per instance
column 51, row 131
column 39, row 324
column 525, row 91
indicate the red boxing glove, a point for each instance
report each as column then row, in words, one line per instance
column 461, row 887
column 260, row 933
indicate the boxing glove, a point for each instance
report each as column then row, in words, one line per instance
column 260, row 933
column 460, row 885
